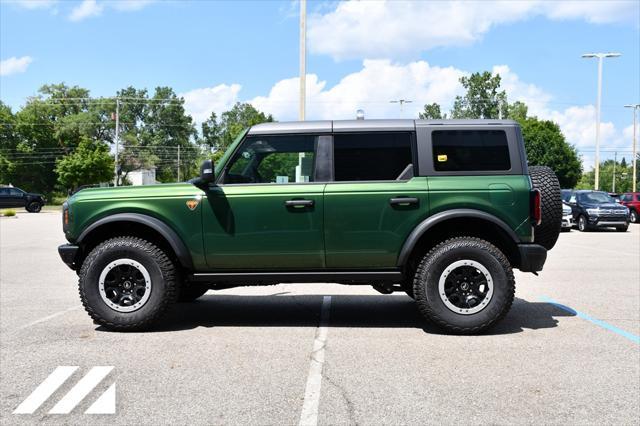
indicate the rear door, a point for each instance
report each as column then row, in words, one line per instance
column 374, row 200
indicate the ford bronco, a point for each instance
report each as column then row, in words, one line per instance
column 440, row 209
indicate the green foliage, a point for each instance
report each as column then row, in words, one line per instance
column 432, row 112
column 623, row 177
column 546, row 146
column 89, row 164
column 238, row 118
column 9, row 213
column 483, row 98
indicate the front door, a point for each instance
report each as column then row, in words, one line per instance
column 266, row 211
column 374, row 202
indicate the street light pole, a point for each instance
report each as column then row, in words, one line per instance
column 303, row 58
column 600, row 57
column 633, row 177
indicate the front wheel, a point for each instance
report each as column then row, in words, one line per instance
column 633, row 216
column 465, row 285
column 127, row 283
column 583, row 226
column 622, row 228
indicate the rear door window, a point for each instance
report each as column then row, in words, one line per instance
column 372, row 156
column 470, row 150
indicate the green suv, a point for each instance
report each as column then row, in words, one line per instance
column 442, row 210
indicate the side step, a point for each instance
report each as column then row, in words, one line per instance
column 365, row 277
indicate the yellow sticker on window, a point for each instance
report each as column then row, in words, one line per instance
column 442, row 158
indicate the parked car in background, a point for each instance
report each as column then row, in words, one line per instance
column 11, row 196
column 596, row 209
column 567, row 217
column 631, row 200
column 566, row 194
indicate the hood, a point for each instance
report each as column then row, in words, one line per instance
column 142, row 191
column 612, row 206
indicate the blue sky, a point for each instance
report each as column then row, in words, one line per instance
column 361, row 55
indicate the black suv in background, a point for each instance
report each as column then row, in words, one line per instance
column 15, row 197
column 596, row 209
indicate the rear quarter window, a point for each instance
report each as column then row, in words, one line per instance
column 470, row 150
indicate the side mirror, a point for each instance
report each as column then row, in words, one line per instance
column 207, row 172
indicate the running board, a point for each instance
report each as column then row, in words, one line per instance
column 299, row 277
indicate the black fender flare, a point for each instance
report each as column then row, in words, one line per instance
column 172, row 238
column 437, row 218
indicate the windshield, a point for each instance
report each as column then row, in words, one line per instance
column 597, row 197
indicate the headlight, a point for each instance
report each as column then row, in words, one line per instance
column 594, row 212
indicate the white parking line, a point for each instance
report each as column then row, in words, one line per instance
column 309, row 416
column 47, row 318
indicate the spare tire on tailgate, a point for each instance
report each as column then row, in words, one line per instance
column 546, row 181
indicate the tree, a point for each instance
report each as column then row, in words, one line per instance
column 546, row 146
column 238, row 118
column 483, row 98
column 90, row 163
column 432, row 112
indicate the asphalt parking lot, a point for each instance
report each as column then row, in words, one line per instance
column 568, row 352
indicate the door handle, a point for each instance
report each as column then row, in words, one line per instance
column 299, row 203
column 403, row 201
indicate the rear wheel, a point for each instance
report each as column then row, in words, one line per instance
column 127, row 283
column 34, row 207
column 465, row 285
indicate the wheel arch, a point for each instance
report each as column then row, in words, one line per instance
column 136, row 224
column 459, row 222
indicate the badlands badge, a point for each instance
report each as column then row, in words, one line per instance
column 192, row 204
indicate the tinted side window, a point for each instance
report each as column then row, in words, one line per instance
column 273, row 159
column 4, row 191
column 371, row 156
column 470, row 150
column 638, row 197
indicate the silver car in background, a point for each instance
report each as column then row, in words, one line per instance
column 567, row 218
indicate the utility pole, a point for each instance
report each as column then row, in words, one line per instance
column 600, row 57
column 615, row 160
column 117, row 137
column 401, row 102
column 633, row 178
column 178, row 163
column 303, row 59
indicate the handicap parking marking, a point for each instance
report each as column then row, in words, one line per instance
column 634, row 338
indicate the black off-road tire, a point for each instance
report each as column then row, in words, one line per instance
column 192, row 292
column 34, row 207
column 433, row 264
column 164, row 283
column 546, row 181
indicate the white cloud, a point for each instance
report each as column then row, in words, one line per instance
column 15, row 65
column 200, row 103
column 34, row 4
column 372, row 88
column 388, row 29
column 130, row 5
column 86, row 9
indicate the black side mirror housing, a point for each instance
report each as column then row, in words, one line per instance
column 207, row 172
column 207, row 175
